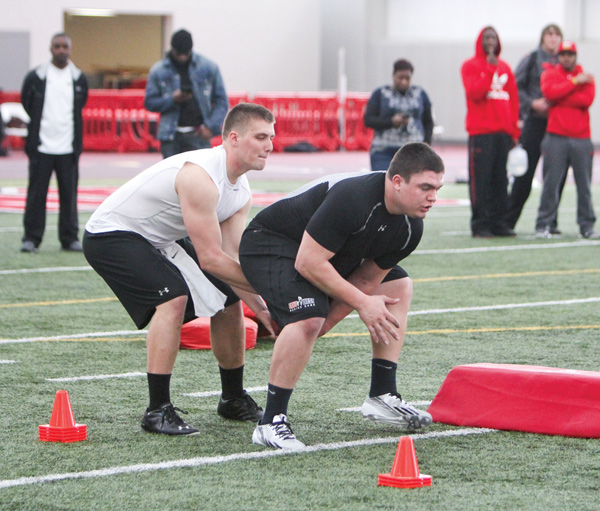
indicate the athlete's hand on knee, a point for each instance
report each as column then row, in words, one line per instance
column 382, row 324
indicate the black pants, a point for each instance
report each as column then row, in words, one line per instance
column 41, row 166
column 181, row 143
column 531, row 140
column 488, row 182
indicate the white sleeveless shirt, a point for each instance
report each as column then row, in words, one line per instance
column 149, row 205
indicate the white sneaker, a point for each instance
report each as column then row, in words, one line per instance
column 277, row 434
column 391, row 409
column 543, row 234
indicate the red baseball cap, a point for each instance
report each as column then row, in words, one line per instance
column 567, row 46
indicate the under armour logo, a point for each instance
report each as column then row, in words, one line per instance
column 381, row 228
column 164, row 291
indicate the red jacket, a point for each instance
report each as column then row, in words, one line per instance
column 492, row 96
column 569, row 114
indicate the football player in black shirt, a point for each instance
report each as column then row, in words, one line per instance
column 330, row 248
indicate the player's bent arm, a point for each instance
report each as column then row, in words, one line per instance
column 231, row 232
column 312, row 262
column 198, row 197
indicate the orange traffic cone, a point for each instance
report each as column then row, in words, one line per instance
column 405, row 470
column 62, row 427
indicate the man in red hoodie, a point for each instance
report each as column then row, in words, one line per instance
column 570, row 92
column 492, row 116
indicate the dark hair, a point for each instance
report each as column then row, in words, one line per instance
column 241, row 114
column 60, row 34
column 181, row 42
column 547, row 29
column 403, row 65
column 414, row 158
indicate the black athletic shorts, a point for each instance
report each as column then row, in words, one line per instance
column 140, row 276
column 268, row 260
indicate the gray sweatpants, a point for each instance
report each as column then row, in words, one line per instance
column 560, row 153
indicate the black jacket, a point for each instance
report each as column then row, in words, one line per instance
column 32, row 98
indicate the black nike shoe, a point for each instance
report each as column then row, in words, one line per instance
column 242, row 408
column 166, row 421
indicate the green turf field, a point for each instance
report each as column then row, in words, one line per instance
column 72, row 328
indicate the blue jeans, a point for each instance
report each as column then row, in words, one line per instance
column 381, row 159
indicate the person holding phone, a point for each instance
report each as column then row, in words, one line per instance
column 399, row 113
column 492, row 117
column 188, row 91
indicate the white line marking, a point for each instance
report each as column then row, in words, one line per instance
column 350, row 316
column 46, row 270
column 8, row 361
column 97, row 377
column 412, row 403
column 214, row 460
column 20, row 229
column 494, row 307
column 73, row 336
column 507, row 306
column 538, row 246
column 218, row 392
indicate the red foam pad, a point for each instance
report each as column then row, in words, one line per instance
column 521, row 398
column 195, row 335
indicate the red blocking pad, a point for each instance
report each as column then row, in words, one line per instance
column 526, row 398
column 195, row 335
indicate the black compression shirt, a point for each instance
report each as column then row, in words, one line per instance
column 346, row 215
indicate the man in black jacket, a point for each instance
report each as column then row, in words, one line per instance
column 54, row 94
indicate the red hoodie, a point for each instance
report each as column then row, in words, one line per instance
column 492, row 96
column 569, row 114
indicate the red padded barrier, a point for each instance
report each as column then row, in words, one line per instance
column 526, row 398
column 303, row 117
column 357, row 136
column 116, row 120
column 195, row 335
column 12, row 97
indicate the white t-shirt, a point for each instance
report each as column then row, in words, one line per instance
column 57, row 125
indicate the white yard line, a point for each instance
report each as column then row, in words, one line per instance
column 73, row 336
column 214, row 460
column 494, row 307
column 537, row 246
column 46, row 270
column 211, row 393
column 97, row 377
column 351, row 316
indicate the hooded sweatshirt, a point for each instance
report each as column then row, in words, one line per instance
column 492, row 95
column 569, row 114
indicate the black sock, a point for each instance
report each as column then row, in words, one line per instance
column 159, row 387
column 277, row 403
column 383, row 377
column 232, row 382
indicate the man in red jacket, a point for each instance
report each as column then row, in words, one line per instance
column 492, row 116
column 570, row 92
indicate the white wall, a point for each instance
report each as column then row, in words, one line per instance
column 287, row 45
column 258, row 44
